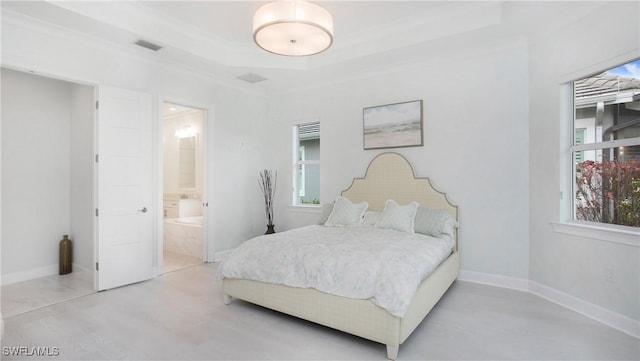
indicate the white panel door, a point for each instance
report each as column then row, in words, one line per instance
column 124, row 187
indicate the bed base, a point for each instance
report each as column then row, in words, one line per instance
column 358, row 317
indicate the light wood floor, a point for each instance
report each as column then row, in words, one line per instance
column 180, row 315
column 30, row 295
column 27, row 296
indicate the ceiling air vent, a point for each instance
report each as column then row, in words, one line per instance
column 252, row 78
column 148, row 45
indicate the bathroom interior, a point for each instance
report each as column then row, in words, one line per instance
column 183, row 169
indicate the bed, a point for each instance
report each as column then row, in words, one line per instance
column 388, row 176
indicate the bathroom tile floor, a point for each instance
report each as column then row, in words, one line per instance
column 30, row 295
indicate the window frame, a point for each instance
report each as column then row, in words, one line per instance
column 567, row 223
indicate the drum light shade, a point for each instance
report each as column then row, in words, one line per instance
column 293, row 28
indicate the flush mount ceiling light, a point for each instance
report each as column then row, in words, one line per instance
column 293, row 28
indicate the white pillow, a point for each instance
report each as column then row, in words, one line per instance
column 434, row 222
column 326, row 211
column 371, row 218
column 345, row 213
column 400, row 218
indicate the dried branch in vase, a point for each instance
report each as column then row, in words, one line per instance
column 268, row 180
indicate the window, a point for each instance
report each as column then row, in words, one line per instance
column 306, row 164
column 606, row 146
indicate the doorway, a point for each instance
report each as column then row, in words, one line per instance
column 47, row 189
column 183, row 226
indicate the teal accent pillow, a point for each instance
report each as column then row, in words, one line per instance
column 434, row 222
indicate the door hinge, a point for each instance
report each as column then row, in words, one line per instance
column 97, row 268
column 97, row 158
column 97, row 213
column 97, row 104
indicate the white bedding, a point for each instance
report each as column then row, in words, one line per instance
column 360, row 262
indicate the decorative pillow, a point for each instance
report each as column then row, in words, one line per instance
column 434, row 222
column 326, row 211
column 371, row 218
column 400, row 218
column 345, row 213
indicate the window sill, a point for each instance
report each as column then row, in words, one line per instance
column 315, row 209
column 629, row 236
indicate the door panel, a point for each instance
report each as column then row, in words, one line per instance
column 124, row 187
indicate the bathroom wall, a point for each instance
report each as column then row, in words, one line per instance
column 171, row 153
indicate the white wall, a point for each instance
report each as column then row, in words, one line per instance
column 235, row 126
column 571, row 264
column 475, row 144
column 36, row 170
column 82, row 216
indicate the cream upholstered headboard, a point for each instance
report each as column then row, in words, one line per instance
column 391, row 176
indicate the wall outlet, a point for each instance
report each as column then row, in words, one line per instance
column 610, row 275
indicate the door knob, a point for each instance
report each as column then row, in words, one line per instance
column 143, row 210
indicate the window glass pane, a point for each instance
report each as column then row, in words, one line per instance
column 309, row 188
column 310, row 149
column 607, row 180
column 607, row 186
column 579, row 139
column 607, row 105
column 309, row 139
column 307, row 164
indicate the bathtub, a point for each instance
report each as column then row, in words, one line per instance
column 183, row 235
column 196, row 220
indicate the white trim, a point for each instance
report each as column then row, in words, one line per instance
column 78, row 268
column 306, row 208
column 599, row 67
column 600, row 314
column 608, row 144
column 31, row 274
column 513, row 283
column 222, row 255
column 629, row 236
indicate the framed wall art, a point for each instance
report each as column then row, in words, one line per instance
column 393, row 125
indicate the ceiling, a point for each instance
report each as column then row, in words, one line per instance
column 215, row 38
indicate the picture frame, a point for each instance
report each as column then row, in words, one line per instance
column 393, row 125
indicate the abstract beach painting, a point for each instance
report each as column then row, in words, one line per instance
column 393, row 125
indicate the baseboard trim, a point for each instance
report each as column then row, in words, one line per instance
column 16, row 277
column 619, row 322
column 221, row 256
column 495, row 280
column 77, row 267
column 612, row 319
